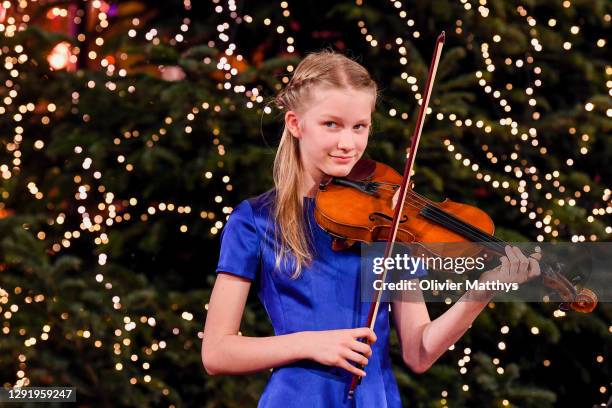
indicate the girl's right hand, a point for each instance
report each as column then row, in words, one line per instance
column 340, row 347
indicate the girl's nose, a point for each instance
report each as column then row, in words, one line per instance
column 346, row 141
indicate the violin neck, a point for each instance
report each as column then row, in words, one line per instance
column 468, row 231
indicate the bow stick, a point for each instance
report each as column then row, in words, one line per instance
column 398, row 200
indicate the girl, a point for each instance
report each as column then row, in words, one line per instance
column 311, row 293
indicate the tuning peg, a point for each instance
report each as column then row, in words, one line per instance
column 564, row 307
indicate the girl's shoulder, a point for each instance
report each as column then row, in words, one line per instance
column 262, row 204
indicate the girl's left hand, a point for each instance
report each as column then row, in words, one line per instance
column 515, row 267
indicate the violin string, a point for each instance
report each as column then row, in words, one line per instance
column 443, row 216
column 422, row 199
column 490, row 240
column 469, row 231
column 479, row 232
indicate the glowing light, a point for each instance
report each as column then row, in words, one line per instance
column 59, row 56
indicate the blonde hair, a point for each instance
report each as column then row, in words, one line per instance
column 325, row 69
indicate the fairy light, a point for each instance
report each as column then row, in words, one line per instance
column 459, row 123
column 105, row 209
column 107, row 212
column 532, row 102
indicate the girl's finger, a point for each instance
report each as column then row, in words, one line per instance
column 351, row 368
column 361, row 332
column 536, row 255
column 534, row 268
column 513, row 261
column 362, row 348
column 523, row 263
column 356, row 357
column 505, row 264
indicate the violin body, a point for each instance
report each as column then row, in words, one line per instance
column 370, row 213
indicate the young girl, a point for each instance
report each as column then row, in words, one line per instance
column 311, row 293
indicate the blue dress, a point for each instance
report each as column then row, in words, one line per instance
column 325, row 297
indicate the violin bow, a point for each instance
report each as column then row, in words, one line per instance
column 399, row 206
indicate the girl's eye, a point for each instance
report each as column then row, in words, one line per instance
column 331, row 124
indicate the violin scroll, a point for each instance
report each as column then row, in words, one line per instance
column 585, row 301
column 581, row 300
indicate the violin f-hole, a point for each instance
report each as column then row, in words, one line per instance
column 375, row 214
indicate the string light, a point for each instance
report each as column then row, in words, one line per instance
column 520, row 186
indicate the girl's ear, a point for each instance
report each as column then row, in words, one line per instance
column 293, row 124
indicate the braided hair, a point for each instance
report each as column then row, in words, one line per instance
column 325, row 69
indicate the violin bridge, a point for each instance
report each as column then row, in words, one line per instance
column 395, row 199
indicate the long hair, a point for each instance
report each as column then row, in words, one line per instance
column 324, row 69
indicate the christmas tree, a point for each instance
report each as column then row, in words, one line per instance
column 131, row 129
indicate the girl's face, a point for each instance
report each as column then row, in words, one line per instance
column 333, row 131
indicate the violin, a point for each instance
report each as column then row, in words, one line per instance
column 375, row 203
column 359, row 208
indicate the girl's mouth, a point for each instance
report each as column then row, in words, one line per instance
column 342, row 159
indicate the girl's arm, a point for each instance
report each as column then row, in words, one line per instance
column 226, row 352
column 423, row 341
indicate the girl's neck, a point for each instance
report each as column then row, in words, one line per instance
column 310, row 184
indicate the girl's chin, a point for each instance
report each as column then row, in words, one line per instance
column 339, row 170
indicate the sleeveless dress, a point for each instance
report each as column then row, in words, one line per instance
column 325, row 297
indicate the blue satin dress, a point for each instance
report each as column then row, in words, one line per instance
column 325, row 297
